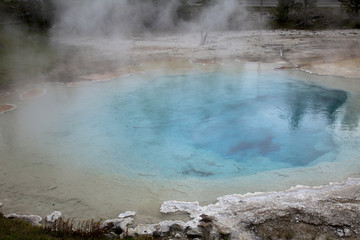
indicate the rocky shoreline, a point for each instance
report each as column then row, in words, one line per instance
column 326, row 212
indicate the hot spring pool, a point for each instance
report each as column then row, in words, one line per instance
column 130, row 144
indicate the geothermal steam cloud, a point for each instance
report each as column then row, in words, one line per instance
column 128, row 17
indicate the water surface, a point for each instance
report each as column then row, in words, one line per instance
column 132, row 143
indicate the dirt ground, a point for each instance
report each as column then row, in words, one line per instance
column 330, row 52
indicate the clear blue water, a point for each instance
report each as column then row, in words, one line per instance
column 132, row 143
column 205, row 125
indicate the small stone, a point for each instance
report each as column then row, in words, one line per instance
column 164, row 227
column 33, row 219
column 224, row 232
column 51, row 188
column 123, row 236
column 206, row 218
column 145, row 229
column 193, row 233
column 176, row 228
column 111, row 222
column 205, row 225
column 127, row 214
column 117, row 230
column 124, row 225
column 1, row 204
column 117, row 225
column 111, row 235
column 53, row 217
column 130, row 232
column 157, row 234
column 347, row 232
column 340, row 232
column 178, row 235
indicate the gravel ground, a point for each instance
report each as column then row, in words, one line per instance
column 331, row 52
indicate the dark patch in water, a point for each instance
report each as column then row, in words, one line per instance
column 263, row 147
column 283, row 122
column 194, row 172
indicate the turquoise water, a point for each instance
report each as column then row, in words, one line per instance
column 132, row 143
column 204, row 125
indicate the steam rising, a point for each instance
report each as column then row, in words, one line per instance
column 129, row 17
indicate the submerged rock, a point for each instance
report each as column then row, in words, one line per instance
column 53, row 217
column 33, row 219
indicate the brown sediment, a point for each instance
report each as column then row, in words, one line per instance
column 103, row 77
column 32, row 93
column 287, row 67
column 346, row 67
column 6, row 108
column 79, row 84
column 170, row 65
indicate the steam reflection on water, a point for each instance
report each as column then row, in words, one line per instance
column 175, row 137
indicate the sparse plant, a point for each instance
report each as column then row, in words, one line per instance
column 282, row 11
column 291, row 13
column 352, row 7
column 88, row 229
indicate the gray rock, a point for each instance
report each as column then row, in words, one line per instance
column 206, row 218
column 157, row 234
column 347, row 232
column 164, row 226
column 117, row 229
column 125, row 223
column 1, row 204
column 118, row 225
column 127, row 214
column 112, row 222
column 224, row 232
column 111, row 235
column 231, row 216
column 176, row 228
column 145, row 229
column 193, row 233
column 178, row 235
column 33, row 219
column 237, row 211
column 53, row 217
column 131, row 232
column 340, row 232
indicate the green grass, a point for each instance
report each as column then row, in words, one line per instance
column 16, row 229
